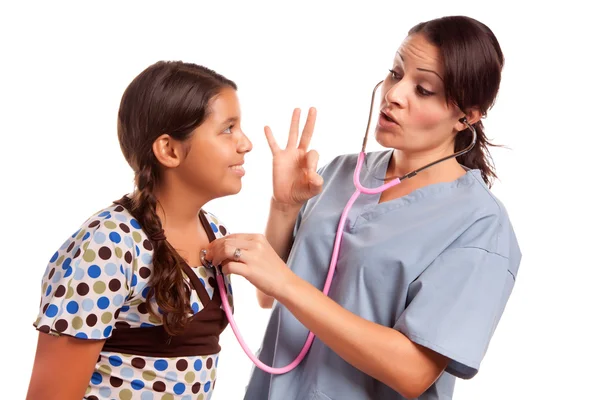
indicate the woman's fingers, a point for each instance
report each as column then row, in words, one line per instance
column 309, row 128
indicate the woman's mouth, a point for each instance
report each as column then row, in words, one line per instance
column 386, row 122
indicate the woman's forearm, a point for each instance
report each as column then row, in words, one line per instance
column 279, row 232
column 381, row 352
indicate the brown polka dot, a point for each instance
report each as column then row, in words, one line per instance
column 83, row 289
column 70, row 247
column 77, row 253
column 117, row 313
column 196, row 387
column 159, row 386
column 91, row 320
column 147, row 244
column 144, row 272
column 51, row 273
column 44, row 328
column 124, row 228
column 61, row 325
column 94, row 223
column 138, row 362
column 122, row 325
column 60, row 291
column 104, row 253
column 45, row 308
column 182, row 365
column 116, row 382
column 142, row 308
column 212, row 282
column 99, row 358
column 128, row 257
column 119, row 208
column 114, row 285
column 92, row 398
column 209, row 363
column 222, row 230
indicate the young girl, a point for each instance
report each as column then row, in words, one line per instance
column 425, row 268
column 127, row 309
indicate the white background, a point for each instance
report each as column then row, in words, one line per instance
column 64, row 68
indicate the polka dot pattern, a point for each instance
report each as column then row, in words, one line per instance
column 97, row 282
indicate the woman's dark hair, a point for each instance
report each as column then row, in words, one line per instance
column 473, row 63
column 173, row 98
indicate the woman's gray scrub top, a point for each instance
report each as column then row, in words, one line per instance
column 438, row 265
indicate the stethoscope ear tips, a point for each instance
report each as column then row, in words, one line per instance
column 463, row 120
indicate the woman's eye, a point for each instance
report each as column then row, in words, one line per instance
column 424, row 92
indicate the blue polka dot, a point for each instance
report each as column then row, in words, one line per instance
column 147, row 325
column 121, row 217
column 118, row 300
column 115, row 361
column 198, row 365
column 58, row 276
column 147, row 396
column 179, row 388
column 135, row 224
column 94, row 271
column 214, row 227
column 230, row 288
column 68, row 272
column 161, row 365
column 105, row 392
column 67, row 263
column 217, row 362
column 203, row 375
column 86, row 236
column 104, row 214
column 202, row 281
column 79, row 274
column 187, row 397
column 96, row 334
column 107, row 331
column 103, row 302
column 137, row 251
column 115, row 237
column 54, row 257
column 87, row 304
column 127, row 373
column 195, row 307
column 122, row 271
column 206, row 387
column 81, row 335
column 110, row 269
column 133, row 317
column 99, row 237
column 137, row 384
column 48, row 290
column 134, row 280
column 124, row 308
column 128, row 241
column 72, row 307
column 171, row 376
column 145, row 292
column 75, row 234
column 147, row 258
column 51, row 311
column 96, row 378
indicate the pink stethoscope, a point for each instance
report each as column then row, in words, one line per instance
column 338, row 238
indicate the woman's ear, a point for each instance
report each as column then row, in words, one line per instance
column 473, row 116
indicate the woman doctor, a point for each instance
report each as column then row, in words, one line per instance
column 425, row 268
